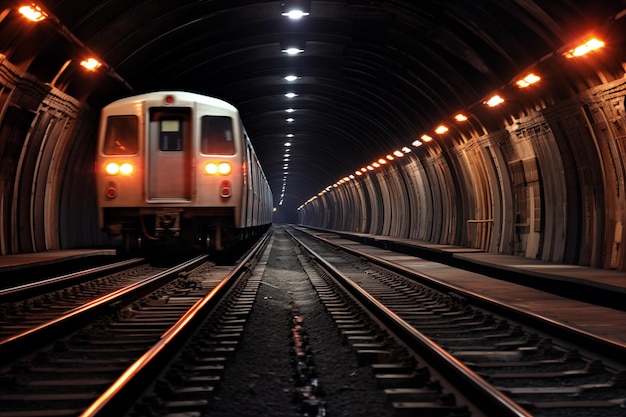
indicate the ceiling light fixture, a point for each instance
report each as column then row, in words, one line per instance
column 441, row 129
column 91, row 64
column 33, row 13
column 528, row 80
column 494, row 101
column 292, row 50
column 295, row 14
column 583, row 49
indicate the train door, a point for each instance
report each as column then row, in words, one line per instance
column 170, row 153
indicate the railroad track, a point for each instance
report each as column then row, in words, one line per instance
column 25, row 306
column 494, row 363
column 430, row 353
column 60, row 366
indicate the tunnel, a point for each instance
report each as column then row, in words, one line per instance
column 497, row 125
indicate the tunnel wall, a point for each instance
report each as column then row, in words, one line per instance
column 47, row 198
column 547, row 185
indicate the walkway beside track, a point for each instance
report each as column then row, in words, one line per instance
column 11, row 263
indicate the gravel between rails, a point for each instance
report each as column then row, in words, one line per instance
column 260, row 380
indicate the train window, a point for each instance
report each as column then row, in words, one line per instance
column 217, row 135
column 121, row 136
column 171, row 135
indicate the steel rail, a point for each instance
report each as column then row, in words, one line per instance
column 35, row 288
column 126, row 389
column 609, row 348
column 484, row 396
column 32, row 339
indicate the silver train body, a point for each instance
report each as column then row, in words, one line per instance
column 178, row 166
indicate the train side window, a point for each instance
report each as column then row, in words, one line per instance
column 121, row 136
column 217, row 135
column 170, row 134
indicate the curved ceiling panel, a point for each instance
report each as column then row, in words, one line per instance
column 372, row 74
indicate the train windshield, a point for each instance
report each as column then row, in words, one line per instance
column 121, row 136
column 217, row 135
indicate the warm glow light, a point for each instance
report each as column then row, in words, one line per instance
column 416, row 143
column 441, row 129
column 126, row 169
column 358, row 172
column 112, row 168
column 460, row 117
column 33, row 13
column 406, row 150
column 91, row 64
column 211, row 168
column 494, row 101
column 376, row 165
column 363, row 169
column 370, row 168
column 390, row 157
column 426, row 138
column 398, row 154
column 589, row 46
column 224, row 168
column 528, row 80
column 382, row 161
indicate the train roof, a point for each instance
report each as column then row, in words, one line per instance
column 183, row 96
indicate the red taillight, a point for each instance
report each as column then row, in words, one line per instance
column 111, row 192
column 225, row 189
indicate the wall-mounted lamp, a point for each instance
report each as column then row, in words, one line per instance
column 33, row 13
column 494, row 101
column 36, row 13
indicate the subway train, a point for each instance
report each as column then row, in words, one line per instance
column 178, row 168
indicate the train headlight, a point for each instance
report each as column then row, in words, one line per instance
column 126, row 168
column 213, row 168
column 225, row 168
column 113, row 168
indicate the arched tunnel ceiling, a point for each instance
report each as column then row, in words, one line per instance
column 373, row 74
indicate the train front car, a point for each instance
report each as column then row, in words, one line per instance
column 173, row 167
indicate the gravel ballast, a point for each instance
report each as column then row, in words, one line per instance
column 260, row 381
